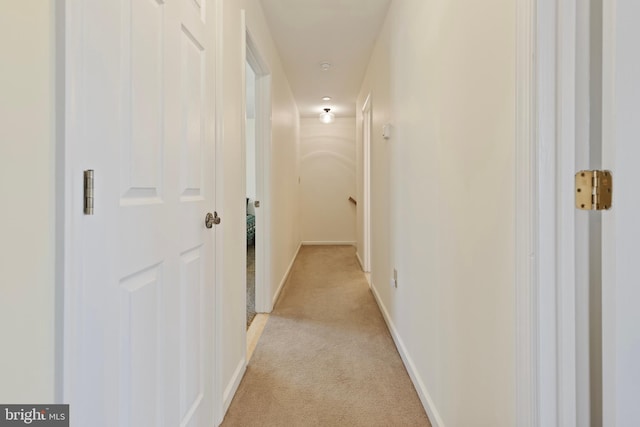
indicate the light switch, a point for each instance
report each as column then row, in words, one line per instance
column 386, row 131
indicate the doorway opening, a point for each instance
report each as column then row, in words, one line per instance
column 257, row 174
column 251, row 195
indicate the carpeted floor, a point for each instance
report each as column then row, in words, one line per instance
column 251, row 284
column 326, row 357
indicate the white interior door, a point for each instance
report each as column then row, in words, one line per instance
column 621, row 227
column 140, row 324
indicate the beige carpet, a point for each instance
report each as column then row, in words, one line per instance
column 326, row 357
column 251, row 283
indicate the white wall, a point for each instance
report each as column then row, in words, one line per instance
column 443, row 206
column 285, row 234
column 27, row 217
column 327, row 174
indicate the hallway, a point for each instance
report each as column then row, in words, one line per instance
column 326, row 357
column 398, row 127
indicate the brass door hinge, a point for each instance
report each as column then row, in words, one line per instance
column 594, row 190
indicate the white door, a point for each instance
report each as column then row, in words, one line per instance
column 140, row 296
column 621, row 225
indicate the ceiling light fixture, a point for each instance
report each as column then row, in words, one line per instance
column 325, row 66
column 326, row 98
column 327, row 116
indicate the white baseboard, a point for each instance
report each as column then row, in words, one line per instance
column 425, row 398
column 232, row 387
column 328, row 243
column 285, row 277
column 360, row 261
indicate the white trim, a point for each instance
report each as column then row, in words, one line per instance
column 285, row 278
column 610, row 293
column 555, row 326
column 234, row 383
column 546, row 38
column 359, row 260
column 73, row 148
column 526, row 226
column 263, row 159
column 565, row 164
column 367, row 118
column 545, row 241
column 585, row 83
column 327, row 243
column 219, row 410
column 59, row 194
column 421, row 389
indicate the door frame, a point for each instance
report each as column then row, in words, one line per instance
column 251, row 54
column 69, row 144
column 367, row 121
column 62, row 235
column 219, row 409
column 545, row 215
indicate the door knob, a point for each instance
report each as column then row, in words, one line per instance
column 256, row 203
column 211, row 219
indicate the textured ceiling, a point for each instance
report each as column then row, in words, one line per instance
column 309, row 32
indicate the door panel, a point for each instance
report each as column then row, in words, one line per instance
column 191, row 328
column 192, row 109
column 621, row 228
column 143, row 53
column 141, row 375
column 143, row 305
